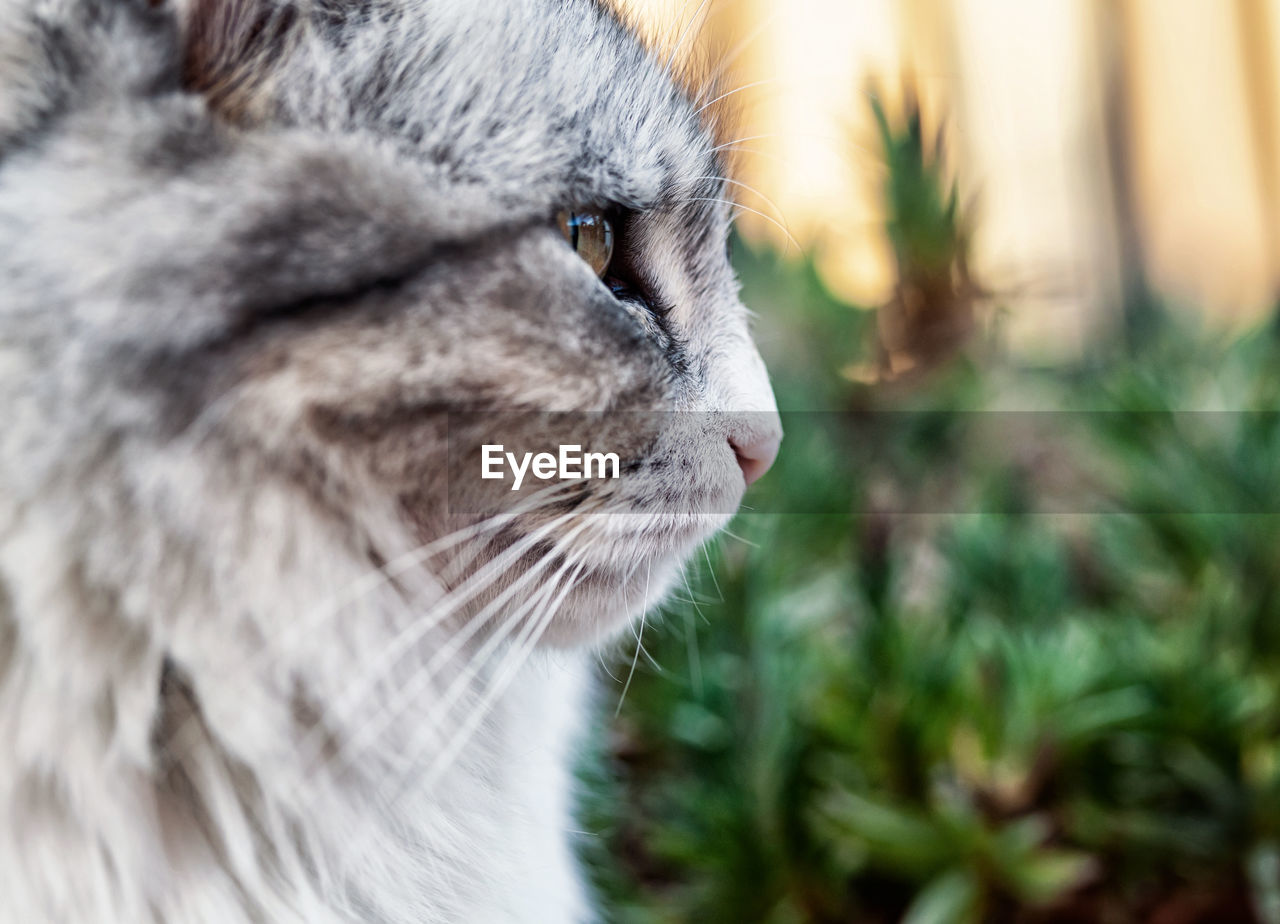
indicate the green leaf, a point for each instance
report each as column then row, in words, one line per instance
column 952, row 898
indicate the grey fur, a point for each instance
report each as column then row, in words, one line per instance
column 232, row 325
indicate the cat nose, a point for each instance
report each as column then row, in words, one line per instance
column 755, row 455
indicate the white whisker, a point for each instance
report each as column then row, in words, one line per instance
column 727, row 59
column 692, row 654
column 751, row 189
column 604, row 664
column 736, row 141
column 746, row 542
column 711, row 570
column 726, row 95
column 732, row 146
column 412, row 634
column 507, row 672
column 432, row 722
column 360, row 587
column 671, row 59
column 746, row 208
column 639, row 636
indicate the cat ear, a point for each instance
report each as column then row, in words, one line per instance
column 230, row 49
column 55, row 54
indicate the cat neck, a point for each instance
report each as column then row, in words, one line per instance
column 185, row 776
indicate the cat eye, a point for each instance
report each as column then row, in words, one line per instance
column 590, row 234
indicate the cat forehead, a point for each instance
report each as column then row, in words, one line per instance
column 535, row 94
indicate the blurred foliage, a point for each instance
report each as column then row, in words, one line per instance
column 931, row 313
column 854, row 715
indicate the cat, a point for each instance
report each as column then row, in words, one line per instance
column 266, row 652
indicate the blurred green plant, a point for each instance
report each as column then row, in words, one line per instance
column 1012, row 716
column 933, row 309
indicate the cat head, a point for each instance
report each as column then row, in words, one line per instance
column 324, row 248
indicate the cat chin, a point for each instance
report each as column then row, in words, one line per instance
column 622, row 586
column 598, row 609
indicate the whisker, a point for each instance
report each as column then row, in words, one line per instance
column 648, row 656
column 522, row 647
column 695, row 664
column 746, row 208
column 712, row 571
column 742, row 89
column 419, row 681
column 746, row 542
column 751, row 189
column 481, row 658
column 213, row 414
column 736, row 141
column 412, row 634
column 357, row 589
column 389, row 571
column 691, row 652
column 671, row 59
column 604, row 664
column 507, row 672
column 639, row 636
column 732, row 146
column 727, row 59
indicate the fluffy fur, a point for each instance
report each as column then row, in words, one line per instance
column 257, row 260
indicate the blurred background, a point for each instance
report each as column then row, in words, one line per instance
column 998, row 639
column 1082, row 133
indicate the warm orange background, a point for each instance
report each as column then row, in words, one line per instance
column 1023, row 87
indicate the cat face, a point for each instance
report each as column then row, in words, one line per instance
column 326, row 244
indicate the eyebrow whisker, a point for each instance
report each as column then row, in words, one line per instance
column 742, row 89
column 751, row 189
column 685, row 34
column 746, row 208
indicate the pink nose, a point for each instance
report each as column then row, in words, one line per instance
column 755, row 457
